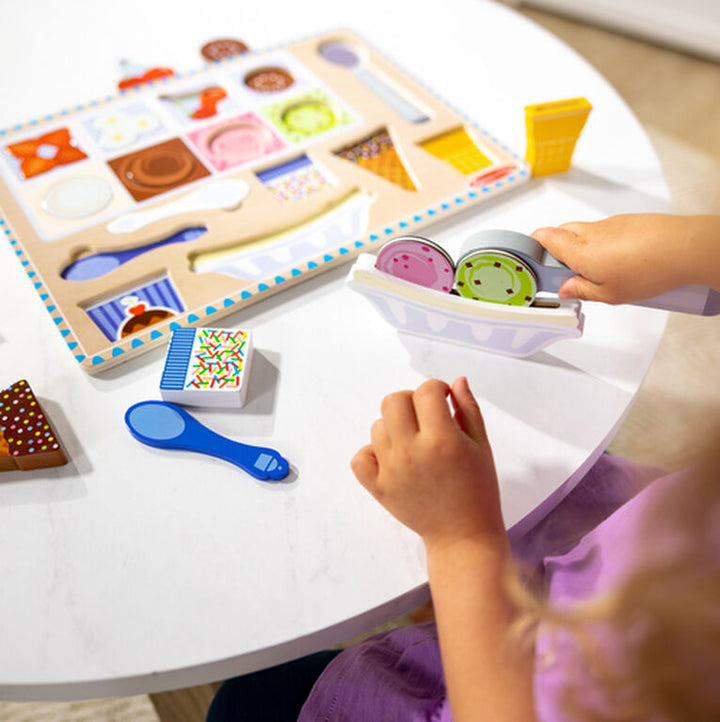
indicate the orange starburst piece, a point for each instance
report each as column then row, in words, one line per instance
column 41, row 154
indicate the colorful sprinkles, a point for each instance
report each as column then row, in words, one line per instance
column 219, row 360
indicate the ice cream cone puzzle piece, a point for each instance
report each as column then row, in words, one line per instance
column 27, row 439
column 552, row 131
column 377, row 154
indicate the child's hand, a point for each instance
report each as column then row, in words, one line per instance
column 433, row 469
column 634, row 257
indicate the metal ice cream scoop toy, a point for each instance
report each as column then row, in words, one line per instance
column 511, row 268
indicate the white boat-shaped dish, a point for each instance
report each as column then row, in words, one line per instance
column 510, row 330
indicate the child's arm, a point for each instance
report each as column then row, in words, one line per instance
column 629, row 258
column 433, row 470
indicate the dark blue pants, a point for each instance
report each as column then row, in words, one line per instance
column 276, row 694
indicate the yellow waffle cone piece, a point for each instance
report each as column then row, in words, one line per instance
column 552, row 131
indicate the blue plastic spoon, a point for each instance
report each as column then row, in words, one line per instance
column 167, row 426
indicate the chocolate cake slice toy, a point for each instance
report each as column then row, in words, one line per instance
column 27, row 439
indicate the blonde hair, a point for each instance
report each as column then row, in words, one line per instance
column 666, row 614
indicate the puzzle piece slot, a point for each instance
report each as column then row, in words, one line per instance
column 377, row 154
column 493, row 175
column 295, row 179
column 100, row 264
column 256, row 258
column 307, row 116
column 158, row 169
column 136, row 309
column 45, row 152
column 219, row 195
column 236, row 141
column 354, row 59
column 269, row 80
column 77, row 197
column 115, row 130
column 197, row 104
column 459, row 149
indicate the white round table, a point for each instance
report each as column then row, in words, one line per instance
column 135, row 570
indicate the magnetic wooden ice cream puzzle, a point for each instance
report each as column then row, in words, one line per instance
column 178, row 202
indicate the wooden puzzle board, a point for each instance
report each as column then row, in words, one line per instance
column 186, row 199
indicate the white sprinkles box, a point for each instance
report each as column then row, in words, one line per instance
column 207, row 367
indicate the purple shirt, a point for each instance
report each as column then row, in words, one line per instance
column 581, row 548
